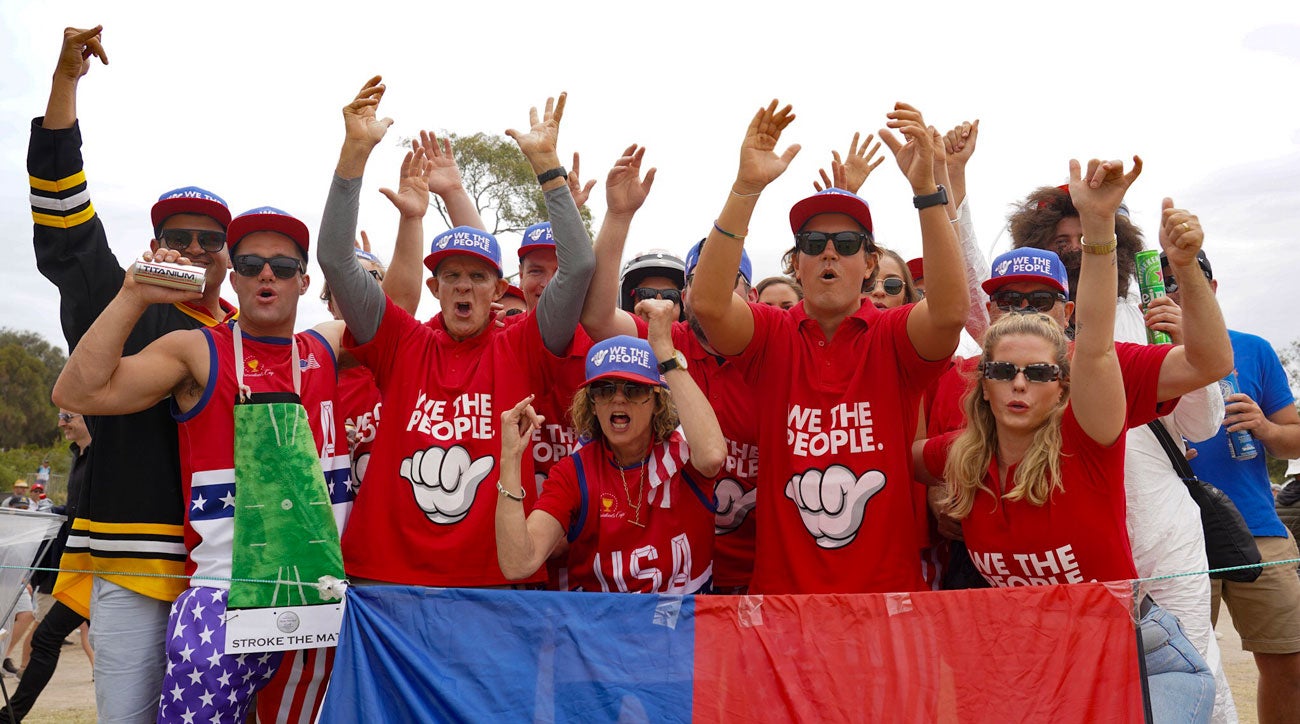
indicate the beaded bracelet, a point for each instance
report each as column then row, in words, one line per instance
column 728, row 234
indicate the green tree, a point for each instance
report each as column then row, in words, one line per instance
column 29, row 365
column 500, row 181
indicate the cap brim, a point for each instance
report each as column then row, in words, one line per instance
column 189, row 205
column 992, row 285
column 433, row 260
column 623, row 375
column 530, row 248
column 825, row 203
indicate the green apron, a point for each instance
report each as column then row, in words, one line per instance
column 284, row 524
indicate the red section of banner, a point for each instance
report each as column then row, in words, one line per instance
column 1039, row 653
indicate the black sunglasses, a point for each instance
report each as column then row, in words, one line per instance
column 1005, row 371
column 1040, row 301
column 847, row 243
column 632, row 392
column 641, row 294
column 180, row 239
column 68, row 416
column 250, row 265
column 893, row 286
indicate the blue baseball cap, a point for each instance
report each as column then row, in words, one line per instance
column 268, row 218
column 189, row 200
column 831, row 201
column 693, row 258
column 623, row 358
column 1028, row 265
column 363, row 254
column 537, row 236
column 464, row 240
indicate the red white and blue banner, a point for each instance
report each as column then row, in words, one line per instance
column 1042, row 653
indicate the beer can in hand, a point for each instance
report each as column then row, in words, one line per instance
column 1241, row 444
column 173, row 276
column 1151, row 283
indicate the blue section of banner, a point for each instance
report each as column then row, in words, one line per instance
column 472, row 655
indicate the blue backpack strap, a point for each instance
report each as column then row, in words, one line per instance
column 576, row 529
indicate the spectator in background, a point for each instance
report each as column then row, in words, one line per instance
column 782, row 292
column 893, row 286
column 20, row 499
column 653, row 274
column 917, row 267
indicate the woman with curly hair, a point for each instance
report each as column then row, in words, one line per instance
column 635, row 503
column 1037, row 476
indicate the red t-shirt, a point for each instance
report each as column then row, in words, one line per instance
column 596, row 502
column 1080, row 534
column 427, row 515
column 556, row 439
column 836, row 420
column 360, row 403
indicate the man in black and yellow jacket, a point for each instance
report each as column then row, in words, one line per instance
column 128, row 530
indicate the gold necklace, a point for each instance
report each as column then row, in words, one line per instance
column 640, row 494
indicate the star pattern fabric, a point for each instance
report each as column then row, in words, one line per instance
column 203, row 685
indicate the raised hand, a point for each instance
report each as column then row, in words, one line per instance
column 517, row 425
column 832, row 503
column 1098, row 193
column 539, row 143
column 1164, row 315
column 412, row 195
column 444, row 175
column 364, row 243
column 625, row 189
column 915, row 154
column 78, row 46
column 579, row 192
column 759, row 164
column 363, row 128
column 852, row 173
column 959, row 143
column 1181, row 236
column 660, row 315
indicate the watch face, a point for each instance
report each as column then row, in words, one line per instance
column 681, row 360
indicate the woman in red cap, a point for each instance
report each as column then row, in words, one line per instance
column 635, row 503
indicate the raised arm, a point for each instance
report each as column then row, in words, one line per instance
column 406, row 272
column 625, row 192
column 445, row 180
column 98, row 380
column 1205, row 354
column 726, row 318
column 1096, row 385
column 74, row 62
column 522, row 544
column 358, row 296
column 560, row 306
column 959, row 146
column 699, row 423
column 935, row 324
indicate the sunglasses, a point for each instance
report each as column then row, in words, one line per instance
column 67, row 416
column 641, row 294
column 1041, row 301
column 632, row 392
column 180, row 239
column 1005, row 371
column 893, row 286
column 847, row 243
column 250, row 265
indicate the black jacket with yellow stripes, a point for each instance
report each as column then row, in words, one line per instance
column 131, row 516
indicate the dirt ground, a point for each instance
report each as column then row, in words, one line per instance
column 70, row 697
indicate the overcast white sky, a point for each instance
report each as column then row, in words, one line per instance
column 243, row 98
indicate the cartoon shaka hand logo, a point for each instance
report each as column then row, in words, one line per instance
column 831, row 503
column 445, row 481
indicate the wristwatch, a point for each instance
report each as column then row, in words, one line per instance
column 1102, row 248
column 676, row 362
column 556, row 172
column 938, row 198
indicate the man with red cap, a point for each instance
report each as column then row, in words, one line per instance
column 131, row 517
column 263, row 501
column 427, row 514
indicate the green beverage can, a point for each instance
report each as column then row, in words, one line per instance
column 1151, row 283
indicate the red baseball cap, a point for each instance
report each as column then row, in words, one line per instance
column 831, row 201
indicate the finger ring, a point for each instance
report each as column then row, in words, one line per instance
column 1185, row 227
